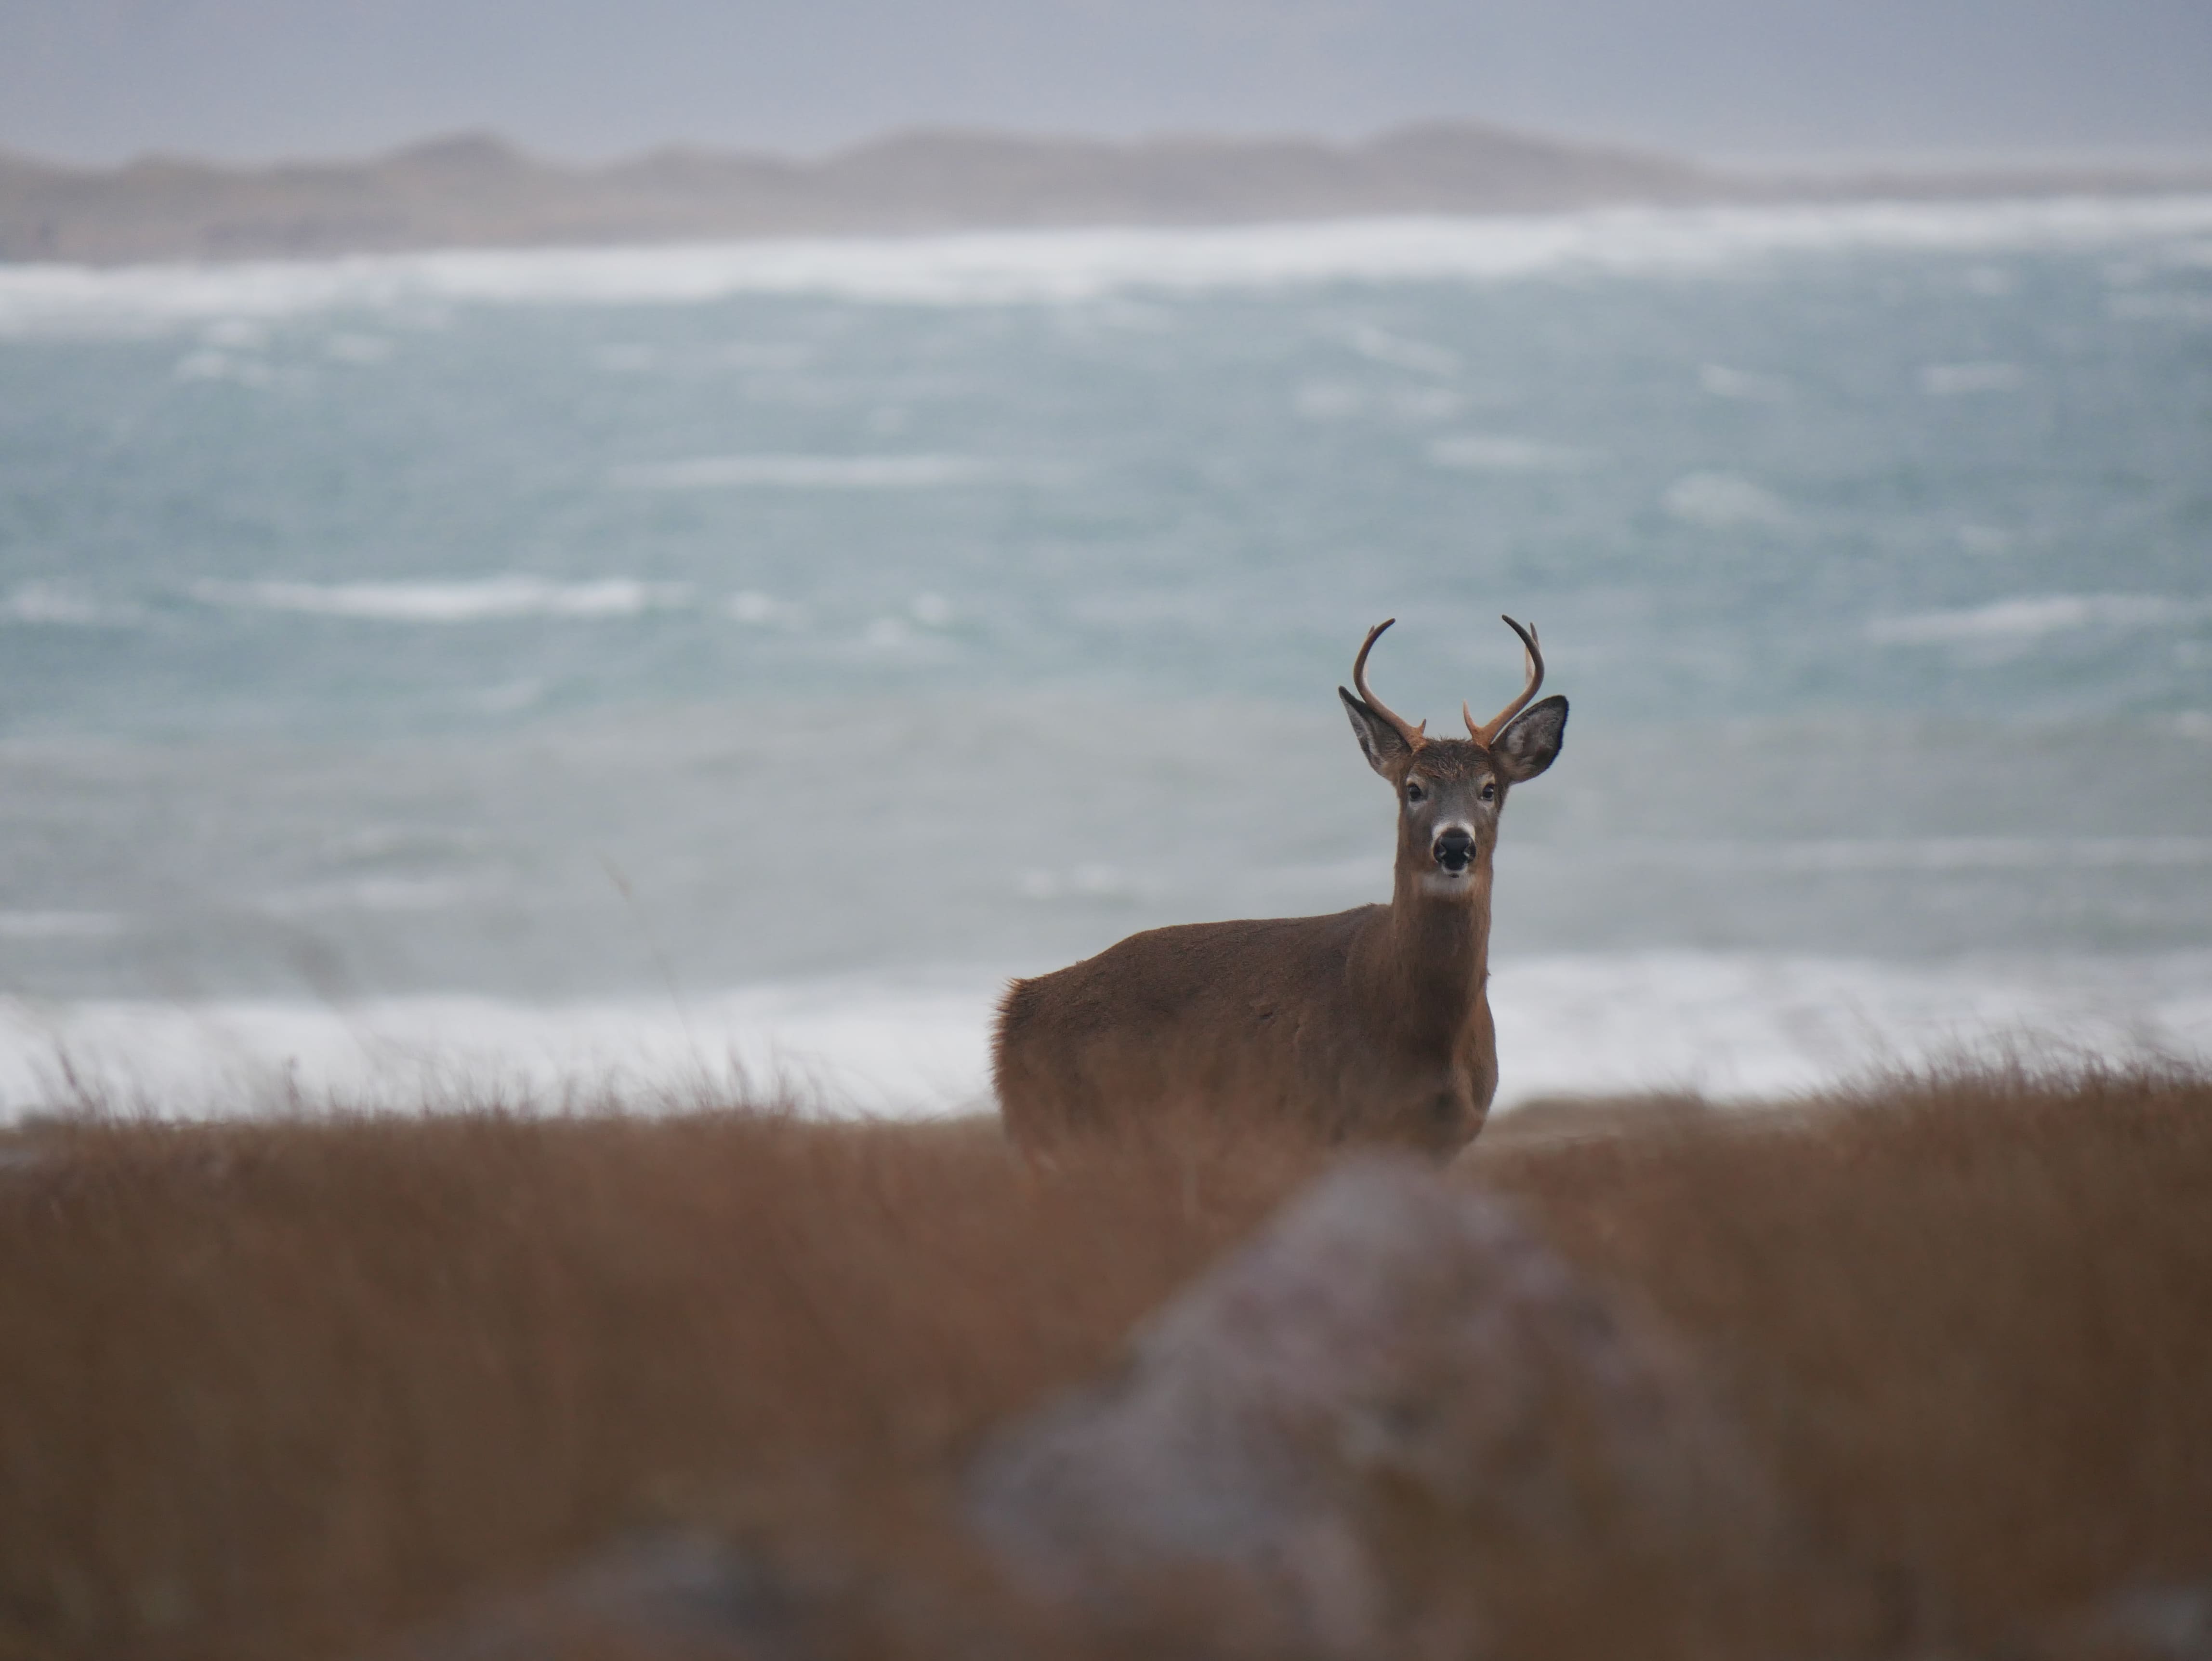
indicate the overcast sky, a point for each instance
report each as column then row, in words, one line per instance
column 100, row 80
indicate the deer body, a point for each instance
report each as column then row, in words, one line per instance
column 1371, row 1023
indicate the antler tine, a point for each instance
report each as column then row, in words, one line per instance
column 1415, row 737
column 1487, row 735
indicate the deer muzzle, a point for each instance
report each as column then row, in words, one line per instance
column 1454, row 850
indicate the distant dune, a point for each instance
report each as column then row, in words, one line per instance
column 477, row 191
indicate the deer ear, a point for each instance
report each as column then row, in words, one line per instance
column 1382, row 744
column 1532, row 743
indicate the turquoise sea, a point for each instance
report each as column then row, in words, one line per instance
column 628, row 664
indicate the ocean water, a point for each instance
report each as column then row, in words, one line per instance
column 575, row 669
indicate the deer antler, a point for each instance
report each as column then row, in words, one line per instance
column 1415, row 737
column 1487, row 735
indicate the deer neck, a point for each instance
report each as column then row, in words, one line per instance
column 1437, row 951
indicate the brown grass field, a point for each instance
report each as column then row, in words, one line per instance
column 293, row 1389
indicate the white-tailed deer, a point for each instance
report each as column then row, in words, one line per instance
column 1371, row 1023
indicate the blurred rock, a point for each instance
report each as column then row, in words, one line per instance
column 1321, row 1445
column 1363, row 1433
column 674, row 1597
column 2144, row 1623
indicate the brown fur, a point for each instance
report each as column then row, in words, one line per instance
column 1372, row 1024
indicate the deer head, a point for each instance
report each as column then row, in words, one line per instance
column 1450, row 791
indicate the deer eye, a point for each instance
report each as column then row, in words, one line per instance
column 1413, row 791
column 1490, row 792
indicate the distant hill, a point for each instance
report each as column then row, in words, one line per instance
column 475, row 191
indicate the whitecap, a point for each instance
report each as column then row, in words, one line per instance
column 207, row 364
column 1742, row 385
column 1421, row 356
column 907, row 638
column 45, row 603
column 463, row 601
column 762, row 610
column 1331, row 400
column 809, row 472
column 1053, row 266
column 1723, row 501
column 1758, row 1025
column 1738, row 1025
column 1845, row 855
column 914, row 1046
column 2028, row 618
column 1490, row 453
column 1954, row 380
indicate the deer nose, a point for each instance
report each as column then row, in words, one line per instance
column 1453, row 848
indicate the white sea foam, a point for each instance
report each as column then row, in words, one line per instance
column 1491, row 453
column 2029, row 617
column 1955, row 379
column 1061, row 266
column 1331, row 400
column 1719, row 501
column 465, row 601
column 1736, row 1025
column 1718, row 380
column 240, row 370
column 49, row 604
column 809, row 472
column 1906, row 854
column 1750, row 1026
column 1421, row 356
column 849, row 1044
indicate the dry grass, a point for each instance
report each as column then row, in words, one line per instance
column 268, row 1390
column 283, row 1390
column 1969, row 1317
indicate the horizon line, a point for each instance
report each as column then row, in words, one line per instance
column 1749, row 160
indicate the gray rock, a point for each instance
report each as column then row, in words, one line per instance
column 1350, row 1438
column 2141, row 1623
column 672, row 1597
column 1307, row 1442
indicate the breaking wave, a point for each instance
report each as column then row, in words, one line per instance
column 805, row 472
column 2030, row 617
column 1032, row 266
column 1733, row 1025
column 468, row 601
